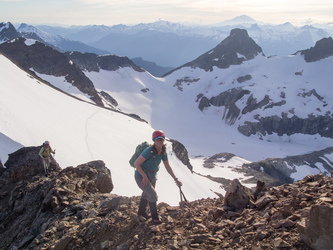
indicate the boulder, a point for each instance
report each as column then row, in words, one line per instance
column 25, row 163
column 91, row 177
column 237, row 196
column 317, row 231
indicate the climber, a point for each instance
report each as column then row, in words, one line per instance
column 147, row 165
column 45, row 154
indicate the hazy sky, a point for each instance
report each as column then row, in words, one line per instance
column 110, row 12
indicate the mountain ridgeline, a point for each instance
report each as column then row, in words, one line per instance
column 257, row 101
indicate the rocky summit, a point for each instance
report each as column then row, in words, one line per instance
column 73, row 208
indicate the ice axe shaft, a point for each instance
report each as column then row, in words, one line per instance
column 44, row 166
column 182, row 196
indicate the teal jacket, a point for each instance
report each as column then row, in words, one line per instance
column 151, row 165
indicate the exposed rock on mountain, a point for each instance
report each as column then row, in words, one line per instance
column 72, row 209
column 181, row 153
column 322, row 49
column 317, row 231
column 30, row 202
column 283, row 169
column 93, row 62
column 237, row 196
column 322, row 125
column 25, row 164
column 227, row 99
column 235, row 49
column 45, row 60
column 239, row 101
column 7, row 32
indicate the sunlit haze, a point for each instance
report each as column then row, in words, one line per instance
column 105, row 12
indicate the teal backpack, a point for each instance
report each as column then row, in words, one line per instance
column 138, row 150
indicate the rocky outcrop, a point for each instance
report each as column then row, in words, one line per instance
column 46, row 60
column 227, row 99
column 322, row 125
column 8, row 32
column 181, row 153
column 322, row 49
column 93, row 62
column 68, row 210
column 25, row 164
column 31, row 204
column 317, row 229
column 237, row 196
column 281, row 169
column 234, row 50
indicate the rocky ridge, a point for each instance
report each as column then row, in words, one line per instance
column 236, row 49
column 46, row 60
column 73, row 209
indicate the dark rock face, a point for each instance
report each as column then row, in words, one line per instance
column 25, row 164
column 8, row 32
column 228, row 100
column 93, row 62
column 312, row 125
column 181, row 153
column 46, row 60
column 237, row 196
column 317, row 230
column 322, row 49
column 235, row 49
column 281, row 169
column 29, row 202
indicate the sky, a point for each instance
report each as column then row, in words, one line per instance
column 130, row 12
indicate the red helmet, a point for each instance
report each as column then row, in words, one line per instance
column 157, row 134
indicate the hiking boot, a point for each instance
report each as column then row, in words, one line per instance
column 142, row 209
column 157, row 222
column 145, row 215
column 153, row 211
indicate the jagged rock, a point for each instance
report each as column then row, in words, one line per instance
column 227, row 99
column 317, row 231
column 8, row 32
column 281, row 169
column 227, row 52
column 181, row 153
column 322, row 49
column 46, row 60
column 93, row 62
column 97, row 178
column 25, row 163
column 237, row 195
column 284, row 125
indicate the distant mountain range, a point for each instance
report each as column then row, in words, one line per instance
column 164, row 45
column 174, row 44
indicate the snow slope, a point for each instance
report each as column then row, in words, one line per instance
column 32, row 112
column 205, row 133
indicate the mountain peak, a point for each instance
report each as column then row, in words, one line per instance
column 322, row 49
column 242, row 19
column 7, row 32
column 233, row 50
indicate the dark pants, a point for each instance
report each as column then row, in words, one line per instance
column 148, row 192
column 148, row 195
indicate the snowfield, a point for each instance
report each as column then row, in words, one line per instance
column 32, row 112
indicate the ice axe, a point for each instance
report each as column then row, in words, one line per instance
column 44, row 166
column 182, row 196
